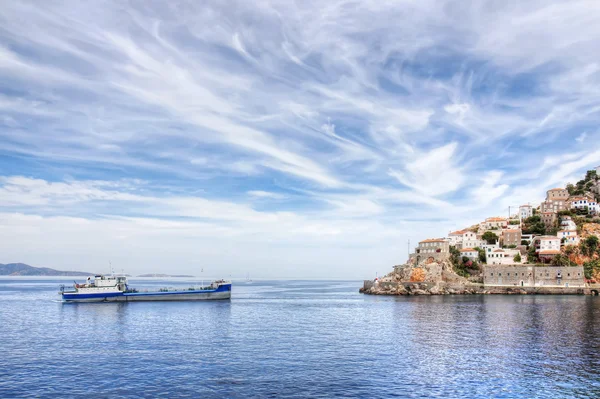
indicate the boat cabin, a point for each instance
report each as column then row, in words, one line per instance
column 103, row 283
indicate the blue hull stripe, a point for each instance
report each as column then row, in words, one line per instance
column 90, row 296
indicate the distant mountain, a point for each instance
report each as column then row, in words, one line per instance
column 164, row 275
column 21, row 269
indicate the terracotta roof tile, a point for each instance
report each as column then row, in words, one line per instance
column 433, row 240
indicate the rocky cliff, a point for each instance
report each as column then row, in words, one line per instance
column 425, row 278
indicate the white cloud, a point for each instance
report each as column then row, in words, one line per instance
column 460, row 110
column 265, row 194
column 491, row 188
column 430, row 120
column 434, row 172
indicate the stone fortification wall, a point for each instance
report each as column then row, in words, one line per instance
column 569, row 276
column 533, row 276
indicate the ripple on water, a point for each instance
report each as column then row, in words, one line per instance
column 299, row 339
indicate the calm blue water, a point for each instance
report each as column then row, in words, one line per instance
column 297, row 339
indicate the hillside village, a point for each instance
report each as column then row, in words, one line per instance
column 551, row 244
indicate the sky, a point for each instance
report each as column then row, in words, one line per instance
column 283, row 139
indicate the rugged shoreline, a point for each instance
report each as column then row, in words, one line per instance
column 439, row 278
column 442, row 288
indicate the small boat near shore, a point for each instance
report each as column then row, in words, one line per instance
column 115, row 289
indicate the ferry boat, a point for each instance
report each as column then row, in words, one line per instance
column 115, row 289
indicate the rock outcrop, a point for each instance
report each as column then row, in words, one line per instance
column 433, row 278
column 425, row 278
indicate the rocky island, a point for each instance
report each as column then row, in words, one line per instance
column 21, row 269
column 432, row 277
column 552, row 248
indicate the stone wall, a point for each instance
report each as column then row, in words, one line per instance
column 433, row 256
column 533, row 276
column 569, row 276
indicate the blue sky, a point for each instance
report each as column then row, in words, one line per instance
column 285, row 139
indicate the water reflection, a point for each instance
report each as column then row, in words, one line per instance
column 302, row 339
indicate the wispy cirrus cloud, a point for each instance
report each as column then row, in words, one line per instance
column 291, row 119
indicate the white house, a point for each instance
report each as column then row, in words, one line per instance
column 579, row 202
column 568, row 237
column 464, row 239
column 490, row 247
column 470, row 253
column 593, row 207
column 547, row 247
column 546, row 243
column 525, row 211
column 502, row 256
column 473, row 242
column 456, row 237
column 566, row 223
column 493, row 223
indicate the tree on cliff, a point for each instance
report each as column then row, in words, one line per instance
column 561, row 260
column 481, row 256
column 589, row 246
column 517, row 258
column 591, row 269
column 551, row 231
column 490, row 237
column 532, row 255
column 534, row 225
column 458, row 263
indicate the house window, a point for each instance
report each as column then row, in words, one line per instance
column 499, row 274
column 491, row 274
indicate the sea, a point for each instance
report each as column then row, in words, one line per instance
column 296, row 339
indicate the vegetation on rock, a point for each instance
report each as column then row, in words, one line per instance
column 533, row 225
column 489, row 237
